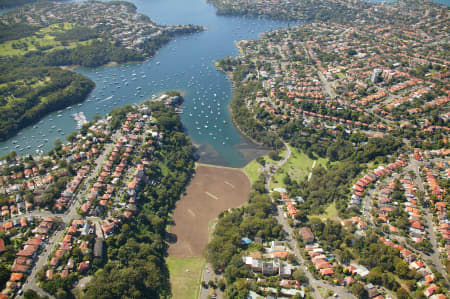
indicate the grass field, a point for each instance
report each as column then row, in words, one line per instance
column 282, row 155
column 330, row 213
column 41, row 38
column 185, row 276
column 298, row 166
column 254, row 169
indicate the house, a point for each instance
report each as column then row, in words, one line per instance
column 326, row 271
column 321, row 264
column 67, row 239
column 49, row 274
column 416, row 265
column 28, row 251
column 83, row 266
column 85, row 207
column 44, row 227
column 430, row 290
column 358, row 269
column 307, row 235
column 59, row 253
column 16, row 276
column 54, row 262
column 285, row 270
column 108, row 227
column 270, row 268
column 70, row 264
column 20, row 268
column 77, row 222
column 24, row 261
column 349, row 280
column 372, row 291
column 85, row 229
column 72, row 230
column 64, row 273
column 34, row 242
column 257, row 265
column 281, row 255
column 407, row 255
column 127, row 214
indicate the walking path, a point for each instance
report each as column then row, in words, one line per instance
column 310, row 173
column 272, row 168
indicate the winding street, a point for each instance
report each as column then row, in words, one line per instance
column 278, row 214
column 315, row 283
column 271, row 169
column 435, row 256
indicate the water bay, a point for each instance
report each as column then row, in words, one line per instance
column 186, row 63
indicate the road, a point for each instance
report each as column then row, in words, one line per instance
column 330, row 91
column 327, row 85
column 31, row 282
column 367, row 205
column 271, row 169
column 207, row 275
column 435, row 257
column 39, row 214
column 278, row 213
column 314, row 283
column 71, row 212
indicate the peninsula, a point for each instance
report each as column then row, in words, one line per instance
column 108, row 188
column 41, row 37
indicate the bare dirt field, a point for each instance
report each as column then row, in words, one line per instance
column 211, row 191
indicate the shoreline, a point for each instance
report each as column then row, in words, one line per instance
column 198, row 164
column 242, row 132
column 76, row 66
column 228, row 74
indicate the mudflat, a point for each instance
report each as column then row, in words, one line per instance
column 211, row 191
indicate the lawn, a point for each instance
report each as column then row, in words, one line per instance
column 298, row 167
column 41, row 38
column 282, row 154
column 185, row 276
column 330, row 213
column 254, row 169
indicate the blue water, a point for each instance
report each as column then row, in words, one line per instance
column 186, row 63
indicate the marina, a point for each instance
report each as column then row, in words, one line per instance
column 80, row 118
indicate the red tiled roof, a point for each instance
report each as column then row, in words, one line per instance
column 16, row 276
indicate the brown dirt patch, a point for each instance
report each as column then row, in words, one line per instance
column 211, row 191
